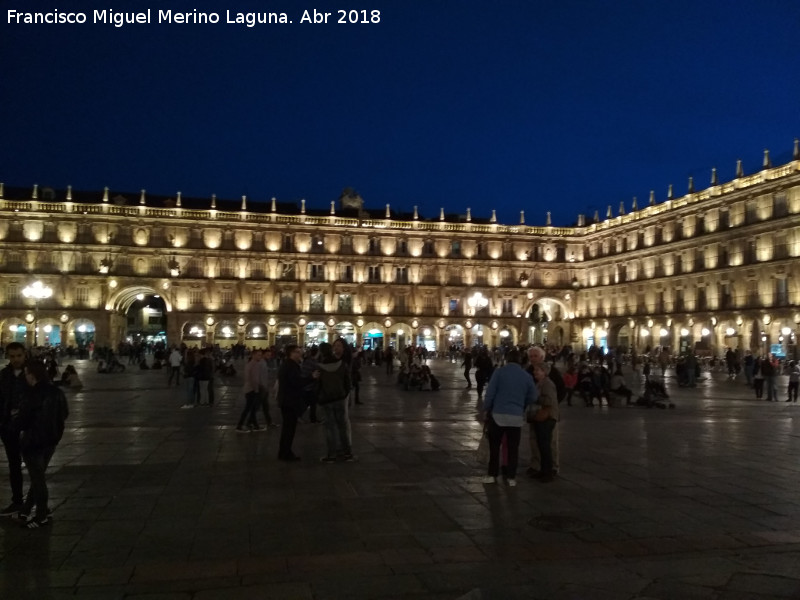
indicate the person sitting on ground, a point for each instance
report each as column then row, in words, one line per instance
column 618, row 387
column 70, row 378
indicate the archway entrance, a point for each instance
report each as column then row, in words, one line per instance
column 146, row 319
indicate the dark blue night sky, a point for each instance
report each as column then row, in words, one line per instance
column 564, row 106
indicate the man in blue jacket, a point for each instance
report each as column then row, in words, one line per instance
column 511, row 390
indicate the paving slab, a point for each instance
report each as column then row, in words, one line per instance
column 152, row 501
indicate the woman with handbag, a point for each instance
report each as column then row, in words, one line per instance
column 543, row 417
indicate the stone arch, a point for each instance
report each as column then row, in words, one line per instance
column 122, row 299
column 548, row 302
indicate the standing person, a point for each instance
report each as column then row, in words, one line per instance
column 13, row 389
column 467, row 364
column 769, row 369
column 334, row 387
column 545, row 420
column 268, row 379
column 290, row 399
column 749, row 363
column 758, row 377
column 252, row 386
column 570, row 381
column 388, row 356
column 508, row 395
column 536, row 356
column 204, row 374
column 311, row 388
column 189, row 381
column 355, row 376
column 41, row 425
column 175, row 360
column 794, row 381
column 483, row 370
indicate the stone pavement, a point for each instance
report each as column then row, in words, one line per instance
column 154, row 502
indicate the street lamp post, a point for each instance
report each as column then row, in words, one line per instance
column 38, row 291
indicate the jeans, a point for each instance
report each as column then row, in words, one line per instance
column 337, row 428
column 249, row 412
column 190, row 388
column 203, row 386
column 495, row 435
column 748, row 374
column 36, row 461
column 544, row 438
column 288, row 429
column 772, row 389
column 11, row 444
column 263, row 401
column 758, row 385
column 176, row 372
column 792, row 390
column 536, row 457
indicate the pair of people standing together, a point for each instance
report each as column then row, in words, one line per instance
column 512, row 398
column 332, row 383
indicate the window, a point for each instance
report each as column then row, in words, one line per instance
column 480, row 250
column 287, row 301
column 373, row 303
column 345, row 304
column 347, row 245
column 400, row 304
column 316, row 272
column 725, row 297
column 401, row 275
column 14, row 260
column 701, row 299
column 287, row 271
column 288, row 245
column 12, row 293
column 226, row 268
column 679, row 303
column 781, row 292
column 508, row 307
column 454, row 306
column 428, row 248
column 753, row 297
column 195, row 297
column 317, row 244
column 402, row 247
column 256, row 299
column 455, row 249
column 373, row 246
column 226, row 297
column 374, row 275
column 431, row 302
column 257, row 269
column 347, row 273
column 317, row 303
column 82, row 294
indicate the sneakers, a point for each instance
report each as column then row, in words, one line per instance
column 348, row 458
column 258, row 428
column 512, row 483
column 11, row 510
column 242, row 430
column 489, row 480
column 35, row 522
column 188, row 406
column 328, row 459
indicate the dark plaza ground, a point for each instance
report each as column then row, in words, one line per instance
column 154, row 502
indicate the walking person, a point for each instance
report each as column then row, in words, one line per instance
column 508, row 395
column 483, row 370
column 334, row 387
column 175, row 360
column 13, row 389
column 467, row 364
column 769, row 370
column 794, row 381
column 252, row 386
column 758, row 377
column 41, row 424
column 290, row 400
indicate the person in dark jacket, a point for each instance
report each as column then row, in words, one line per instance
column 484, row 367
column 13, row 388
column 290, row 400
column 334, row 387
column 41, row 425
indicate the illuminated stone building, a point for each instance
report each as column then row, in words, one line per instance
column 712, row 268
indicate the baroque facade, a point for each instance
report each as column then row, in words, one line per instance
column 711, row 269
